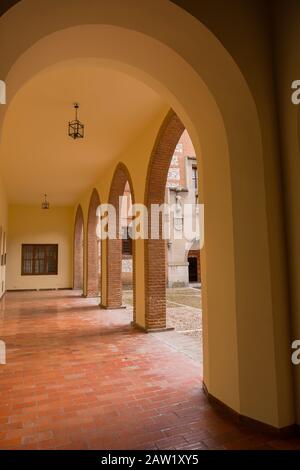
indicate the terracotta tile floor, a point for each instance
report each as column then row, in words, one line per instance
column 78, row 377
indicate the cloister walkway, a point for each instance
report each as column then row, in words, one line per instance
column 78, row 377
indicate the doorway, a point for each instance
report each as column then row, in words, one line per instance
column 193, row 269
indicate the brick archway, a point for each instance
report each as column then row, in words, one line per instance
column 78, row 250
column 155, row 250
column 114, row 246
column 93, row 274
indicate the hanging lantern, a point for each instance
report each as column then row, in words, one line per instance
column 76, row 128
column 45, row 203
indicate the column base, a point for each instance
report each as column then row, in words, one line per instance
column 90, row 296
column 105, row 307
column 259, row 426
column 151, row 330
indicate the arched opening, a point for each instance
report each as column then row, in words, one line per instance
column 127, row 244
column 155, row 249
column 183, row 222
column 93, row 248
column 231, row 157
column 115, row 245
column 171, row 303
column 78, row 250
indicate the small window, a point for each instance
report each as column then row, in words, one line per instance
column 39, row 260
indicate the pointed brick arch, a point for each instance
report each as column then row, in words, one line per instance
column 93, row 265
column 78, row 250
column 114, row 246
column 155, row 250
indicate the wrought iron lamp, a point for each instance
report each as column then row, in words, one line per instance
column 76, row 128
column 45, row 203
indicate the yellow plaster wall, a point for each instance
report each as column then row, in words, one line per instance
column 254, row 54
column 31, row 224
column 3, row 235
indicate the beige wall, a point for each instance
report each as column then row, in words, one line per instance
column 34, row 225
column 3, row 235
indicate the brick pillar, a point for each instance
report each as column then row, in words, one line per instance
column 155, row 250
column 114, row 273
column 114, row 246
column 93, row 277
column 155, row 256
column 78, row 250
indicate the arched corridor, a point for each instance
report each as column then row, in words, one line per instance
column 137, row 85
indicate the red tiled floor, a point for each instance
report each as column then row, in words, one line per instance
column 78, row 377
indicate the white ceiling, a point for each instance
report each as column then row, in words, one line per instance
column 38, row 156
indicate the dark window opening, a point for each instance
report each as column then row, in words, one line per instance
column 39, row 260
column 193, row 269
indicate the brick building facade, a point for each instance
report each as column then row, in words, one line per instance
column 183, row 256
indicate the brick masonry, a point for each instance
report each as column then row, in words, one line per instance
column 78, row 250
column 155, row 250
column 93, row 275
column 114, row 246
